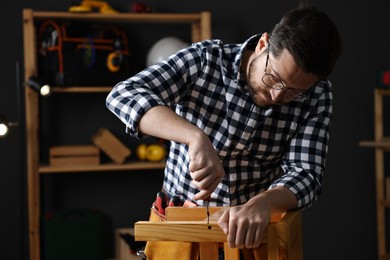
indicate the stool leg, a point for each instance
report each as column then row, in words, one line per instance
column 231, row 253
column 208, row 251
column 260, row 253
column 273, row 243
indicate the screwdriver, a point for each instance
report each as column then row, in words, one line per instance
column 207, row 210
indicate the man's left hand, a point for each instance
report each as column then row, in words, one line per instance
column 244, row 225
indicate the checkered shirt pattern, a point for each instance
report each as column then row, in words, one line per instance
column 260, row 148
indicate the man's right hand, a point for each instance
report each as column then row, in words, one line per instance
column 205, row 166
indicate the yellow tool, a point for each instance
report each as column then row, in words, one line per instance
column 87, row 6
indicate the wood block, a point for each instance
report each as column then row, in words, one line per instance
column 69, row 155
column 111, row 145
column 199, row 213
column 189, row 214
column 187, row 231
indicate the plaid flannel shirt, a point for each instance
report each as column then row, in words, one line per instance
column 260, row 148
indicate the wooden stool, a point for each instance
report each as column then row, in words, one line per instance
column 282, row 239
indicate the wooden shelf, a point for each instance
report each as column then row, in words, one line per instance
column 382, row 91
column 200, row 27
column 384, row 143
column 200, row 23
column 120, row 17
column 47, row 169
column 381, row 144
column 82, row 89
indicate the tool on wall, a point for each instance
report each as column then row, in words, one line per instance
column 82, row 54
column 87, row 6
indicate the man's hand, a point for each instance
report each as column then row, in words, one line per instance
column 244, row 225
column 205, row 166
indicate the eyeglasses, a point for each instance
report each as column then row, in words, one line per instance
column 272, row 81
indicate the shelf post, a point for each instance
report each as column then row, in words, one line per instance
column 380, row 172
column 32, row 146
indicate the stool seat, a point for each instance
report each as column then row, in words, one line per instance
column 282, row 239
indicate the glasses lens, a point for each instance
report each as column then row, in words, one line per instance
column 293, row 95
column 271, row 81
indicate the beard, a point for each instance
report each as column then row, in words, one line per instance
column 257, row 91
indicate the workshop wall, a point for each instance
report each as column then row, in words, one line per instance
column 341, row 225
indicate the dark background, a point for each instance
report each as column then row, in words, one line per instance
column 341, row 225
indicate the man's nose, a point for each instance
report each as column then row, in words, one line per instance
column 276, row 94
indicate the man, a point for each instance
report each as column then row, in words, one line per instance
column 248, row 123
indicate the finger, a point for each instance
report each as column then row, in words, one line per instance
column 223, row 222
column 240, row 236
column 202, row 195
column 199, row 174
column 205, row 192
column 209, row 183
column 231, row 239
column 258, row 236
column 196, row 163
column 249, row 237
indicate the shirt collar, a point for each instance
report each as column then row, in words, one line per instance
column 249, row 43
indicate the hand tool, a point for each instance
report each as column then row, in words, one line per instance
column 161, row 202
column 175, row 201
column 207, row 201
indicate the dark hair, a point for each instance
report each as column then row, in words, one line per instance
column 311, row 38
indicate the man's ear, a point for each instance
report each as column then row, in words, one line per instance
column 262, row 43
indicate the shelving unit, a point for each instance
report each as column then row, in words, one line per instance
column 200, row 26
column 381, row 144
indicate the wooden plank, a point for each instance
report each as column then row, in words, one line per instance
column 292, row 237
column 199, row 213
column 131, row 166
column 272, row 242
column 208, row 251
column 231, row 253
column 32, row 145
column 71, row 155
column 380, row 171
column 120, row 17
column 111, row 145
column 69, row 150
column 186, row 231
column 205, row 24
column 189, row 214
column 383, row 144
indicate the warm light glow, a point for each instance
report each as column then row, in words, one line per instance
column 45, row 90
column 3, row 129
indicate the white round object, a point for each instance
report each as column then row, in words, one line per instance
column 3, row 130
column 163, row 48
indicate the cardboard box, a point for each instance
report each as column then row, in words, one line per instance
column 111, row 145
column 69, row 155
